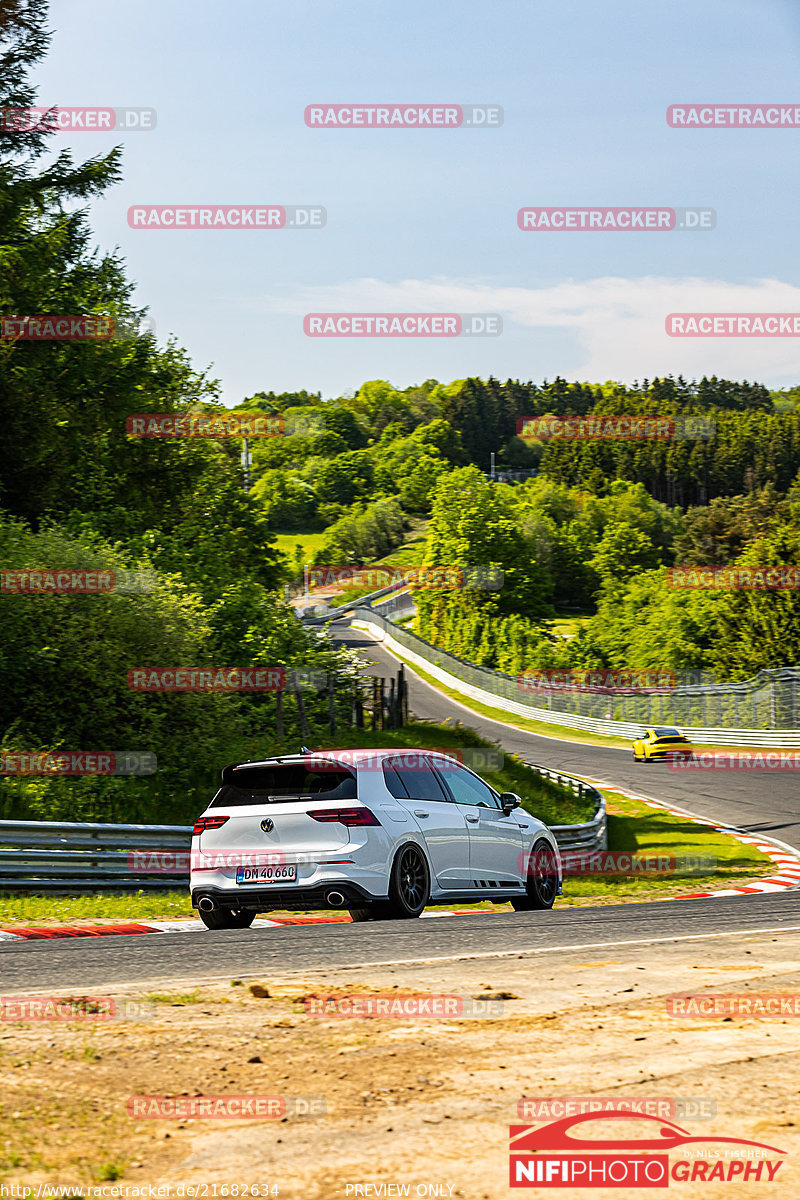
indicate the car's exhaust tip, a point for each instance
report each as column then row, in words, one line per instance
column 206, row 904
column 335, row 899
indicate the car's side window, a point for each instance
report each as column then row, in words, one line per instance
column 467, row 788
column 414, row 773
column 393, row 782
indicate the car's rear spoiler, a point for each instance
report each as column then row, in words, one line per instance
column 281, row 760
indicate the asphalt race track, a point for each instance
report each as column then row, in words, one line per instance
column 766, row 803
column 202, row 956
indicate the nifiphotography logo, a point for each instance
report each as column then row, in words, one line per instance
column 579, row 1153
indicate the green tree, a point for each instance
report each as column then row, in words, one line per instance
column 623, row 551
column 345, row 479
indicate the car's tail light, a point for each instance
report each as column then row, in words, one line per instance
column 345, row 816
column 203, row 823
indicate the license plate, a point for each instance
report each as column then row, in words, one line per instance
column 286, row 873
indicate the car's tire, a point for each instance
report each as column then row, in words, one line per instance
column 228, row 918
column 541, row 880
column 409, row 886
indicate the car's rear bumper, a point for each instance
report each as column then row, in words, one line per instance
column 364, row 867
column 263, row 899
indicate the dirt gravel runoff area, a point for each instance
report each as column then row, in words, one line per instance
column 407, row 1083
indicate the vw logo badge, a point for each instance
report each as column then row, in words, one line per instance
column 268, row 824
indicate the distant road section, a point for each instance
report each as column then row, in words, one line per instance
column 766, row 802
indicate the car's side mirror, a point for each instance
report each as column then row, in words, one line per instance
column 509, row 801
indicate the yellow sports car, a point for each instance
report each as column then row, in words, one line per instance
column 661, row 743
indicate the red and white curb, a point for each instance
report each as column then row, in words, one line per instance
column 785, row 859
column 43, row 933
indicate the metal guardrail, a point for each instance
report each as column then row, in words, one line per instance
column 77, row 856
column 501, row 690
column 590, row 836
column 343, row 609
column 399, row 605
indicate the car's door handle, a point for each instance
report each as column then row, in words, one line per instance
column 474, row 820
column 419, row 812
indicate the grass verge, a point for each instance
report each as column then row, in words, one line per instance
column 310, row 539
column 634, row 827
column 65, row 910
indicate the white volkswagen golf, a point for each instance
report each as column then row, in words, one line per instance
column 379, row 832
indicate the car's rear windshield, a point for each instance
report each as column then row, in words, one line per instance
column 283, row 783
column 667, row 733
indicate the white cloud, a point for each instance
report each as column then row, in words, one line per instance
column 618, row 324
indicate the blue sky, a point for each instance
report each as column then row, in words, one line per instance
column 425, row 220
